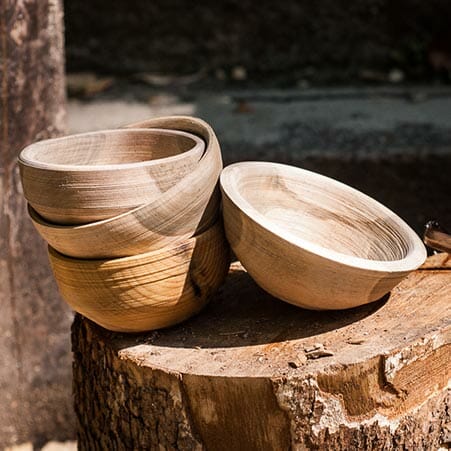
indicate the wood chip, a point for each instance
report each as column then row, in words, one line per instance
column 355, row 341
column 316, row 351
column 298, row 362
column 319, row 353
column 311, row 348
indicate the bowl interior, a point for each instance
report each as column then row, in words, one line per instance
column 323, row 211
column 110, row 147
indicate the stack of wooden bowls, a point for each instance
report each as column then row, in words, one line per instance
column 132, row 220
column 135, row 233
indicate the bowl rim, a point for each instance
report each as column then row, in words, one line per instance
column 25, row 159
column 416, row 253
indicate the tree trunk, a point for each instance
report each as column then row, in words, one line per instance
column 253, row 373
column 35, row 351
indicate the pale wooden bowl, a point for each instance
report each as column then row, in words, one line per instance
column 313, row 241
column 187, row 208
column 88, row 177
column 146, row 291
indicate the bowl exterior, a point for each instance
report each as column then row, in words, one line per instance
column 81, row 197
column 145, row 292
column 136, row 232
column 184, row 210
column 297, row 276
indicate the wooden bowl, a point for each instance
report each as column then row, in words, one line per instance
column 187, row 208
column 146, row 291
column 313, row 241
column 88, row 177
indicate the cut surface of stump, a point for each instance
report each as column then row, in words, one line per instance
column 254, row 373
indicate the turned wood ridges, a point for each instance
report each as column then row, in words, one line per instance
column 155, row 264
column 313, row 241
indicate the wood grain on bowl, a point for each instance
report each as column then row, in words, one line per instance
column 313, row 241
column 146, row 291
column 88, row 177
column 188, row 207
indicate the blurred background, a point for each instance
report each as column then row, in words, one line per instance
column 278, row 45
column 360, row 91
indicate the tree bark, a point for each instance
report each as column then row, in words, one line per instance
column 35, row 396
column 253, row 373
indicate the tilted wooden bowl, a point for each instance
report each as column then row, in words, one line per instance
column 187, row 208
column 147, row 291
column 88, row 177
column 313, row 241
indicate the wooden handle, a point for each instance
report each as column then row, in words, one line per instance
column 436, row 237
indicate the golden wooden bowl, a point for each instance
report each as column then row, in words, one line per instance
column 313, row 241
column 188, row 207
column 88, row 177
column 146, row 291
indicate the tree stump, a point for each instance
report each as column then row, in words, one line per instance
column 253, row 373
column 35, row 375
